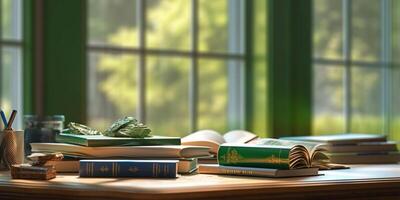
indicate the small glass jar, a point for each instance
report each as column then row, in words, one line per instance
column 41, row 131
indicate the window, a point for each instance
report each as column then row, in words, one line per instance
column 11, row 57
column 176, row 65
column 352, row 66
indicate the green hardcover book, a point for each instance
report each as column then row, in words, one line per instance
column 274, row 154
column 100, row 140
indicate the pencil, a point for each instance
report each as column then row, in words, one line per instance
column 11, row 120
column 3, row 117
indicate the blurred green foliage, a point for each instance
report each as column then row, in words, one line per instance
column 168, row 27
column 367, row 83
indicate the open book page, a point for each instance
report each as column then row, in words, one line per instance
column 316, row 157
column 310, row 146
column 239, row 136
column 208, row 138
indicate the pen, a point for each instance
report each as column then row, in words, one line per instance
column 11, row 120
column 3, row 117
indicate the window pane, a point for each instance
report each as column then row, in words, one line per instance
column 213, row 25
column 167, row 98
column 260, row 97
column 213, row 93
column 366, row 30
column 367, row 100
column 113, row 22
column 395, row 105
column 11, row 83
column 328, row 32
column 395, row 73
column 11, row 19
column 328, row 99
column 112, row 91
column 168, row 24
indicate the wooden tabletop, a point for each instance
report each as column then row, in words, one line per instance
column 372, row 181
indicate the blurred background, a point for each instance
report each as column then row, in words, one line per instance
column 272, row 67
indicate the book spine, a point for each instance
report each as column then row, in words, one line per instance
column 263, row 157
column 127, row 169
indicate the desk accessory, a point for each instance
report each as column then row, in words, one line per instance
column 8, row 147
column 127, row 127
column 41, row 129
column 37, row 169
column 26, row 171
column 3, row 118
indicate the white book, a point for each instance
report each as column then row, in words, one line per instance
column 165, row 151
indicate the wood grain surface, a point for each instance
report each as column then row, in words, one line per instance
column 361, row 181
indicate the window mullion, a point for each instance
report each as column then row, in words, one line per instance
column 347, row 19
column 386, row 57
column 193, row 79
column 235, row 70
column 141, row 75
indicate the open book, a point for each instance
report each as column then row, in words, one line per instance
column 213, row 139
column 275, row 154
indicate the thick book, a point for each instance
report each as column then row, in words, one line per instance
column 164, row 151
column 64, row 166
column 274, row 154
column 348, row 138
column 213, row 139
column 365, row 158
column 100, row 140
column 363, row 147
column 252, row 171
column 185, row 165
column 128, row 168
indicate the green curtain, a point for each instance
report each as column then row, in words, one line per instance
column 279, row 67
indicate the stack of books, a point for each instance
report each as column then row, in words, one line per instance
column 102, row 156
column 269, row 158
column 355, row 148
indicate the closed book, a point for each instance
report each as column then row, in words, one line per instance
column 100, row 140
column 128, row 168
column 164, row 151
column 185, row 165
column 348, row 138
column 64, row 166
column 252, row 171
column 274, row 154
column 363, row 147
column 365, row 158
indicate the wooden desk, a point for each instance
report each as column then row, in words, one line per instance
column 363, row 181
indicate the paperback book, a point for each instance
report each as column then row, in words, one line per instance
column 252, row 171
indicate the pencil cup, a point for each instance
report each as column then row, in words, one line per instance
column 18, row 143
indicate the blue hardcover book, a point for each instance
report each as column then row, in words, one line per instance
column 128, row 168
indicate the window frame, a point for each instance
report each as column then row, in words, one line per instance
column 384, row 62
column 14, row 44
